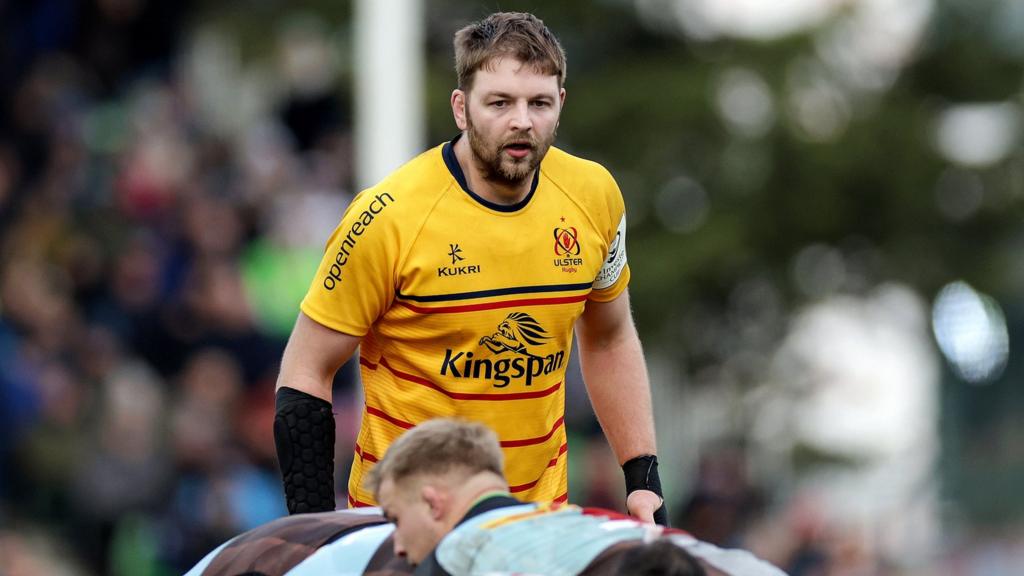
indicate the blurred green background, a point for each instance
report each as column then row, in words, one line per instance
column 825, row 207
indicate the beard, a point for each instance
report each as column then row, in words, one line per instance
column 503, row 168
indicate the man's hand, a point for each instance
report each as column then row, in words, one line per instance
column 643, row 490
column 641, row 504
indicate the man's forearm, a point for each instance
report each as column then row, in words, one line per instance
column 303, row 420
column 616, row 378
column 619, row 389
column 304, row 439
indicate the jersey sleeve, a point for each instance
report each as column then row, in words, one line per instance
column 613, row 277
column 355, row 283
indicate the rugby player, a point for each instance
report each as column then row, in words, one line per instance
column 442, row 485
column 462, row 278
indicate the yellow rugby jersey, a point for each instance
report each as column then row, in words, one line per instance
column 466, row 307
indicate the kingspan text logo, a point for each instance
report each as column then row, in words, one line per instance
column 514, row 334
column 348, row 243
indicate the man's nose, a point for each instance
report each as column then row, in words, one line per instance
column 399, row 549
column 521, row 117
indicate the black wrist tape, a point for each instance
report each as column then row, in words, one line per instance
column 304, row 436
column 641, row 473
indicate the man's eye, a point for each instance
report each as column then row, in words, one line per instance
column 540, row 103
column 499, row 103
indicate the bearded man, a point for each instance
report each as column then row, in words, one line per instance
column 462, row 277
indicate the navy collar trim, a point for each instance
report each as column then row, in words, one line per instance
column 448, row 153
column 492, row 503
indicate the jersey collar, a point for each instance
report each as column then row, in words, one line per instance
column 491, row 501
column 448, row 153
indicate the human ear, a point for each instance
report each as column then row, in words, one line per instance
column 458, row 102
column 437, row 500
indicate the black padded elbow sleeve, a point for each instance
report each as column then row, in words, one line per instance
column 304, row 436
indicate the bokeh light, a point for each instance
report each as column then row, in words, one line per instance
column 745, row 102
column 978, row 134
column 971, row 331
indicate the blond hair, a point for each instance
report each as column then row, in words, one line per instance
column 437, row 447
column 518, row 35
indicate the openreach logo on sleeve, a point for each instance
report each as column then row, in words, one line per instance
column 349, row 241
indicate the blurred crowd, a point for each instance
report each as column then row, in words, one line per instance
column 137, row 251
column 151, row 264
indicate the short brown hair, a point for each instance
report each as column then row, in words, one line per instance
column 507, row 34
column 437, row 447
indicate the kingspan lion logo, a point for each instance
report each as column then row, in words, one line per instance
column 516, row 331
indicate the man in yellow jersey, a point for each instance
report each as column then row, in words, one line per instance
column 461, row 277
